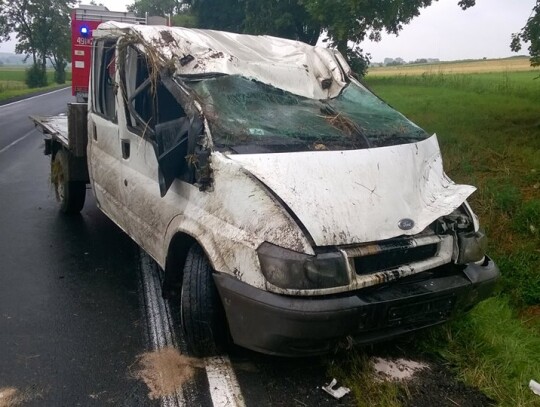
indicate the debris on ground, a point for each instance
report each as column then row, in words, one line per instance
column 338, row 393
column 11, row 397
column 535, row 387
column 165, row 371
column 397, row 369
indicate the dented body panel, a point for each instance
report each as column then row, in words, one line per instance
column 327, row 241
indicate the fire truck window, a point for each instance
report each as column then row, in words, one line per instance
column 105, row 80
column 150, row 102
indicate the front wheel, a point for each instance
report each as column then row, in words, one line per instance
column 70, row 194
column 203, row 318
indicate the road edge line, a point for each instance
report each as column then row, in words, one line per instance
column 224, row 387
column 33, row 97
column 3, row 150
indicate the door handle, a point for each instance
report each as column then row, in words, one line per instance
column 126, row 149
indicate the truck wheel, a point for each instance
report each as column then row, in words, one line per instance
column 70, row 194
column 203, row 318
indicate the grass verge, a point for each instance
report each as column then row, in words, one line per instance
column 12, row 83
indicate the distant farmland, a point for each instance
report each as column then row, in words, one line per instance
column 518, row 64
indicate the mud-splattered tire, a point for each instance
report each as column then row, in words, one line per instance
column 203, row 318
column 70, row 194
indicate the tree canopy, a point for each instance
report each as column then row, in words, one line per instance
column 530, row 33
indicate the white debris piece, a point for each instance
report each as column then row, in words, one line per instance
column 397, row 369
column 336, row 393
column 535, row 387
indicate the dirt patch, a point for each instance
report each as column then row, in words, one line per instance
column 11, row 397
column 436, row 386
column 165, row 370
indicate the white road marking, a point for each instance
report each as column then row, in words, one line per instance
column 224, row 388
column 158, row 317
column 16, row 141
column 34, row 97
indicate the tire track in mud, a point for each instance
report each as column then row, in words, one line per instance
column 216, row 385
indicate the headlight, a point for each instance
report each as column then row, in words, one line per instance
column 472, row 247
column 291, row 270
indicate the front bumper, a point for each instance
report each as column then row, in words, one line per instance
column 300, row 326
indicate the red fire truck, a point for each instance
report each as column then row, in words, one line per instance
column 84, row 20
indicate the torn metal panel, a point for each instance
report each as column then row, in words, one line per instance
column 290, row 65
column 360, row 196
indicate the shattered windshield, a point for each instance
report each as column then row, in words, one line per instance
column 249, row 116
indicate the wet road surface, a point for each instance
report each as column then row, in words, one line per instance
column 70, row 320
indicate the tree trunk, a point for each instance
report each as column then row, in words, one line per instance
column 342, row 47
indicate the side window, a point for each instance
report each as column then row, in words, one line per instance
column 150, row 105
column 154, row 112
column 104, row 79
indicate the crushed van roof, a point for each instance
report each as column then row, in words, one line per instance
column 305, row 70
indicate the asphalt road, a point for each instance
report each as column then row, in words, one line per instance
column 70, row 320
column 75, row 312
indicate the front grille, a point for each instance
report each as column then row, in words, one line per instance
column 393, row 258
column 392, row 254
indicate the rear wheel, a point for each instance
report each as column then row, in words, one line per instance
column 70, row 194
column 203, row 318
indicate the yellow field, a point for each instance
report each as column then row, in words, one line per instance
column 488, row 65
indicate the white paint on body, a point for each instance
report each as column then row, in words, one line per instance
column 289, row 65
column 360, row 196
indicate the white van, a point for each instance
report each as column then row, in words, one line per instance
column 288, row 205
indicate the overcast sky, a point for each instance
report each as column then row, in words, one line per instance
column 442, row 31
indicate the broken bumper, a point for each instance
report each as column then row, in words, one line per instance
column 300, row 326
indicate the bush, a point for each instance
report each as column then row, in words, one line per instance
column 36, row 77
column 60, row 76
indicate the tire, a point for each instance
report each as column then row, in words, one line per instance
column 70, row 194
column 203, row 318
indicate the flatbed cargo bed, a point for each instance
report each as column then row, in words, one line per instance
column 55, row 126
column 69, row 131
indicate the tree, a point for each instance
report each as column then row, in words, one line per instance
column 41, row 28
column 530, row 33
column 282, row 18
column 226, row 15
column 155, row 7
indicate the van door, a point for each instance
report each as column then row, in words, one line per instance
column 153, row 118
column 104, row 148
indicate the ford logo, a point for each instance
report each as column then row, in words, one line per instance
column 406, row 224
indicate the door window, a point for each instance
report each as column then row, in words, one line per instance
column 105, row 79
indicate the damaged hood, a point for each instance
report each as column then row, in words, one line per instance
column 359, row 196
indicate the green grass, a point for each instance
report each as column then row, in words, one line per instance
column 492, row 349
column 488, row 127
column 522, row 84
column 12, row 83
